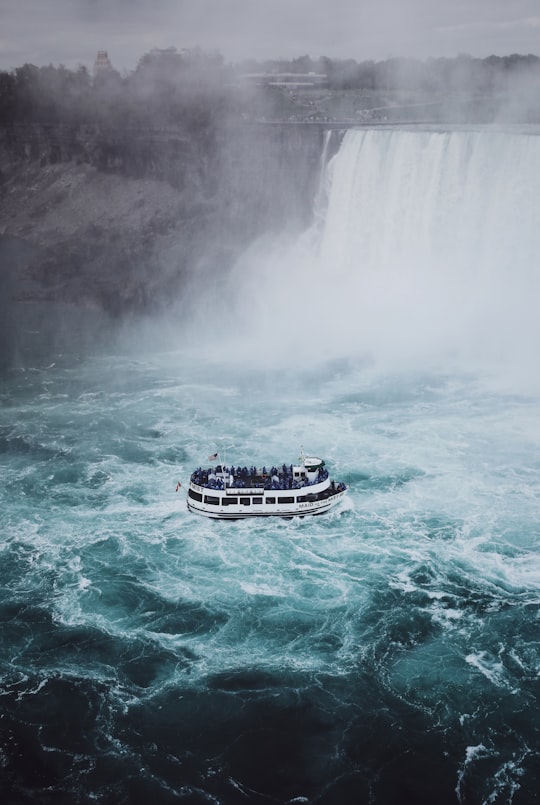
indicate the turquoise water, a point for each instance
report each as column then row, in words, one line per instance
column 385, row 652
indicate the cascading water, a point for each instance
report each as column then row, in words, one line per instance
column 384, row 653
column 426, row 245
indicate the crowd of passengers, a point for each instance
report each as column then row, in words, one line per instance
column 251, row 477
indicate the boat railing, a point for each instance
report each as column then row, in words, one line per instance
column 334, row 489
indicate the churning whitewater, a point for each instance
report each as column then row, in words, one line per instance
column 386, row 652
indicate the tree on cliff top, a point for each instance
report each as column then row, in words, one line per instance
column 168, row 87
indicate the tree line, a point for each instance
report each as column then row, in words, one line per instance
column 492, row 74
column 166, row 88
column 194, row 89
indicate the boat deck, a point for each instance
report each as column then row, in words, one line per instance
column 253, row 478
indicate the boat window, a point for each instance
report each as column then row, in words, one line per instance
column 257, row 500
column 211, row 500
column 229, row 501
column 269, row 500
column 286, row 500
column 245, row 501
column 195, row 495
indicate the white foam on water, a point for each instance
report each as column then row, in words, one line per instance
column 488, row 666
column 472, row 753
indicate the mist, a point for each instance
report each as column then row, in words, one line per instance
column 421, row 253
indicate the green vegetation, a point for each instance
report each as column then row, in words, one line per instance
column 167, row 88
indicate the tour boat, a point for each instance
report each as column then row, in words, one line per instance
column 293, row 490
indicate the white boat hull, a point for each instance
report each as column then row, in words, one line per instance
column 241, row 511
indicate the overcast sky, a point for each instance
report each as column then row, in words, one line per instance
column 70, row 32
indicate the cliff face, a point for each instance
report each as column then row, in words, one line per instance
column 117, row 219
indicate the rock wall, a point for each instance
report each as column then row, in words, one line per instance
column 118, row 219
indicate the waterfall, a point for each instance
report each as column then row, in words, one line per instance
column 427, row 243
column 438, row 233
column 434, row 203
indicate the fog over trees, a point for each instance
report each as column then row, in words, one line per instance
column 166, row 88
column 443, row 75
column 194, row 89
